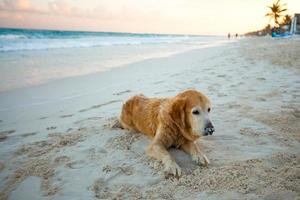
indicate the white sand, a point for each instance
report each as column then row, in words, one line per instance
column 56, row 141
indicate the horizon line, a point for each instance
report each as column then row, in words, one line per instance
column 90, row 31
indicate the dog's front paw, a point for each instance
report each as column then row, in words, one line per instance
column 171, row 168
column 198, row 158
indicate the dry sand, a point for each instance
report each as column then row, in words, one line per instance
column 69, row 149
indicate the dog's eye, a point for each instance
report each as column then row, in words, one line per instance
column 208, row 110
column 196, row 112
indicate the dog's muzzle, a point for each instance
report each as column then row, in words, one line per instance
column 209, row 129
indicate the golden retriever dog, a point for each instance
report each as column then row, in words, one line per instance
column 178, row 121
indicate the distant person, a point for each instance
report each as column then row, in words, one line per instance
column 228, row 35
column 273, row 32
column 236, row 35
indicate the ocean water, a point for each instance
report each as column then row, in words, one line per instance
column 32, row 57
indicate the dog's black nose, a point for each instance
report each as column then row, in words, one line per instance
column 209, row 129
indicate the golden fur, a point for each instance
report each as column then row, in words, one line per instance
column 168, row 122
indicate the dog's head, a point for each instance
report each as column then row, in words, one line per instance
column 190, row 111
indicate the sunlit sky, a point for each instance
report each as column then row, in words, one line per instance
column 211, row 17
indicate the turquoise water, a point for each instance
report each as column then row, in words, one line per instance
column 26, row 39
column 57, row 34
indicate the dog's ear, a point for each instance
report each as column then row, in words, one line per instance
column 178, row 116
column 177, row 112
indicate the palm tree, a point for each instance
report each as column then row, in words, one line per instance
column 286, row 20
column 276, row 11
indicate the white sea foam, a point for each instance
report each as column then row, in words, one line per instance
column 32, row 57
column 12, row 37
column 21, row 43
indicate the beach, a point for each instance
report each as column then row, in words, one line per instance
column 57, row 139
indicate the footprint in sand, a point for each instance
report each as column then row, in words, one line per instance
column 261, row 79
column 222, row 76
column 103, row 190
column 222, row 95
column 211, row 88
column 127, row 170
column 51, row 128
column 123, row 142
column 99, row 105
column 62, row 160
column 69, row 129
column 249, row 132
column 76, row 164
column 100, row 189
column 89, row 120
column 295, row 96
column 233, row 105
column 102, row 151
column 8, row 131
column 2, row 166
column 124, row 169
column 29, row 134
column 296, row 112
column 123, row 92
column 4, row 134
column 65, row 116
column 166, row 91
column 252, row 90
column 2, row 137
column 107, row 168
column 103, row 187
column 170, row 91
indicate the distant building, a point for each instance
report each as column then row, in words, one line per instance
column 295, row 25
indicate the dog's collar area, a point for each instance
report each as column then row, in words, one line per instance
column 190, row 136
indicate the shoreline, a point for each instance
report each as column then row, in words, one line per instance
column 98, row 75
column 37, row 67
column 112, row 67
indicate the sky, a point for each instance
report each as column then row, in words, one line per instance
column 205, row 17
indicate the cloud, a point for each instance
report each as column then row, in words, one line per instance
column 59, row 7
column 15, row 5
column 125, row 16
column 62, row 8
column 54, row 8
column 168, row 16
